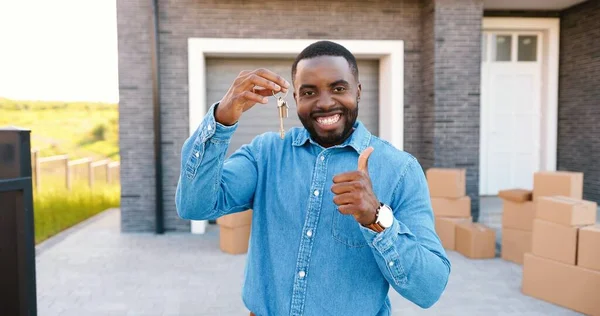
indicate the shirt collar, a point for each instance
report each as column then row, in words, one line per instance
column 359, row 139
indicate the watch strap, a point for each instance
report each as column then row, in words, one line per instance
column 376, row 226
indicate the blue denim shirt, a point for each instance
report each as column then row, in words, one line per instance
column 304, row 256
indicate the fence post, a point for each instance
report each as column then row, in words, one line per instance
column 36, row 169
column 108, row 177
column 90, row 174
column 100, row 163
column 67, row 174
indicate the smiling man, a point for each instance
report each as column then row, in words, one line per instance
column 339, row 215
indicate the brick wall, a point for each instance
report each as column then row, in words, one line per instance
column 136, row 134
column 451, row 78
column 397, row 20
column 426, row 111
column 579, row 95
column 441, row 95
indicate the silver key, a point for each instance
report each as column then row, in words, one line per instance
column 283, row 113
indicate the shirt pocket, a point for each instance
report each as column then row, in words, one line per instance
column 346, row 231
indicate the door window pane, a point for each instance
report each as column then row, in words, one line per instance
column 502, row 47
column 527, row 48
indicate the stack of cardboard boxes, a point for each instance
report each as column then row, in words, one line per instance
column 452, row 210
column 234, row 232
column 518, row 212
column 563, row 266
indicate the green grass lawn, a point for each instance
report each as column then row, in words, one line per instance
column 77, row 129
column 56, row 209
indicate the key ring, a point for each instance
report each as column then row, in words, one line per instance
column 285, row 95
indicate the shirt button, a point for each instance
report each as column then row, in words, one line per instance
column 316, row 193
column 391, row 263
column 209, row 127
column 197, row 154
column 322, row 158
column 309, row 233
column 301, row 274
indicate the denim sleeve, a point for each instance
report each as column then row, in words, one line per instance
column 210, row 186
column 409, row 253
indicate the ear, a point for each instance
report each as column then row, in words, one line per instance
column 358, row 91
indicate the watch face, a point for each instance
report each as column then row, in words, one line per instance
column 386, row 216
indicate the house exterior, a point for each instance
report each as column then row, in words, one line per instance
column 501, row 88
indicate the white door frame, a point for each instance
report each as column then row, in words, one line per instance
column 391, row 76
column 550, row 28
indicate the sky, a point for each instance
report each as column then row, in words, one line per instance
column 59, row 50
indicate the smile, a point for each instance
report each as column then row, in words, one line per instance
column 328, row 120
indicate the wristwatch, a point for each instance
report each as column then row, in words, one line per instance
column 384, row 218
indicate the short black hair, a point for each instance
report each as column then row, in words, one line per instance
column 325, row 48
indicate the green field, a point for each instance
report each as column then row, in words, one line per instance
column 74, row 128
column 78, row 130
column 56, row 209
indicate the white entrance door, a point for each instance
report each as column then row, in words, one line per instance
column 511, row 91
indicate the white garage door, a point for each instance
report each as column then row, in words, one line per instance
column 220, row 73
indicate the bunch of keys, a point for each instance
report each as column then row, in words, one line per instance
column 282, row 106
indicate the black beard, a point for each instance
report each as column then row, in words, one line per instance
column 331, row 139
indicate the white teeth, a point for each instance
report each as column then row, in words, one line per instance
column 328, row 120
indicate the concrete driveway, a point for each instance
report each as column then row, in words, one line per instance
column 93, row 269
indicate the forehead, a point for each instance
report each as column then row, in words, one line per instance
column 323, row 68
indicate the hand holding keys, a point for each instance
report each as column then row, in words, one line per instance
column 248, row 88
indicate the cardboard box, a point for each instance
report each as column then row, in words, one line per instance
column 549, row 183
column 475, row 241
column 445, row 227
column 236, row 219
column 515, row 243
column 518, row 215
column 516, row 195
column 566, row 211
column 445, row 182
column 588, row 248
column 446, row 207
column 234, row 240
column 565, row 285
column 554, row 241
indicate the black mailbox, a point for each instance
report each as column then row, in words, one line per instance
column 17, row 235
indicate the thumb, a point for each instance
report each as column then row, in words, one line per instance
column 363, row 160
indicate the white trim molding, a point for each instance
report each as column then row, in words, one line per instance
column 391, row 77
column 550, row 27
column 391, row 73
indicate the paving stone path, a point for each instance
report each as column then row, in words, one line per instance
column 93, row 269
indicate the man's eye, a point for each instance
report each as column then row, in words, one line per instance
column 339, row 89
column 308, row 93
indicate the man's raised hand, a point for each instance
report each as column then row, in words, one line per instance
column 354, row 192
column 249, row 88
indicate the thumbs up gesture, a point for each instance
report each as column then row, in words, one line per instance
column 354, row 192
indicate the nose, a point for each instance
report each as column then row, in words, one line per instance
column 325, row 100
